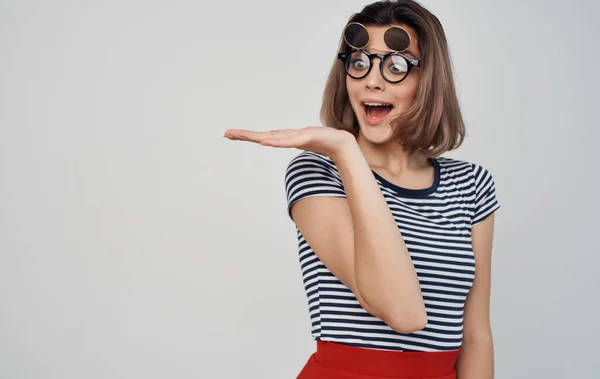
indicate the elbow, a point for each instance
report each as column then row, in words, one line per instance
column 407, row 325
column 407, row 320
column 400, row 317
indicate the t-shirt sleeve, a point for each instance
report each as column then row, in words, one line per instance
column 486, row 202
column 311, row 174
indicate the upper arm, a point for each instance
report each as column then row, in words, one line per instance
column 318, row 206
column 326, row 224
column 477, row 306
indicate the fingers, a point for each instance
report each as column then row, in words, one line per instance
column 258, row 137
column 294, row 139
column 279, row 142
column 237, row 134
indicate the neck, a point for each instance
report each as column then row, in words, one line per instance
column 391, row 156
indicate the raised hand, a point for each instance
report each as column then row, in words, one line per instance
column 320, row 139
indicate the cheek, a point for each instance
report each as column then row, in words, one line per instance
column 405, row 93
column 413, row 82
column 351, row 89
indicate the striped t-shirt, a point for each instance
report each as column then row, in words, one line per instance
column 436, row 226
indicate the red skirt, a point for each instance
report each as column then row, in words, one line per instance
column 338, row 361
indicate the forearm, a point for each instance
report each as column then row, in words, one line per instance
column 384, row 272
column 476, row 359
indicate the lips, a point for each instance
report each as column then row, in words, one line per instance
column 376, row 111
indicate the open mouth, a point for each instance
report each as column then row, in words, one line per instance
column 376, row 112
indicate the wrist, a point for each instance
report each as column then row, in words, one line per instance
column 346, row 150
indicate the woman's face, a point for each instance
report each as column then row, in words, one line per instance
column 374, row 121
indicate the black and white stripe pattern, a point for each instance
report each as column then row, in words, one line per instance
column 436, row 225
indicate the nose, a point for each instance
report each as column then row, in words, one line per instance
column 374, row 81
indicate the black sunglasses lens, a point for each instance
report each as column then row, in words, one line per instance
column 356, row 36
column 397, row 39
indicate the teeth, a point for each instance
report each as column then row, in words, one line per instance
column 377, row 104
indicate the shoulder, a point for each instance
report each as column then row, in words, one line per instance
column 308, row 160
column 466, row 170
column 310, row 174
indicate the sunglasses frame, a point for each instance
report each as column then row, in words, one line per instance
column 382, row 57
column 344, row 35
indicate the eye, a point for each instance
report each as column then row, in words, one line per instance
column 396, row 65
column 359, row 64
column 397, row 68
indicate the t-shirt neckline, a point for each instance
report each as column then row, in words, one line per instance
column 413, row 192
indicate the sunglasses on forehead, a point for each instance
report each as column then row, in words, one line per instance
column 394, row 66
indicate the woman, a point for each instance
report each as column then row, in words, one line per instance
column 390, row 233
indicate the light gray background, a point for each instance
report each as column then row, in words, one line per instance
column 137, row 242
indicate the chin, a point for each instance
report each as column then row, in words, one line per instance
column 374, row 130
column 376, row 135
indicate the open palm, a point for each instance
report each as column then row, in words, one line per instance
column 322, row 140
